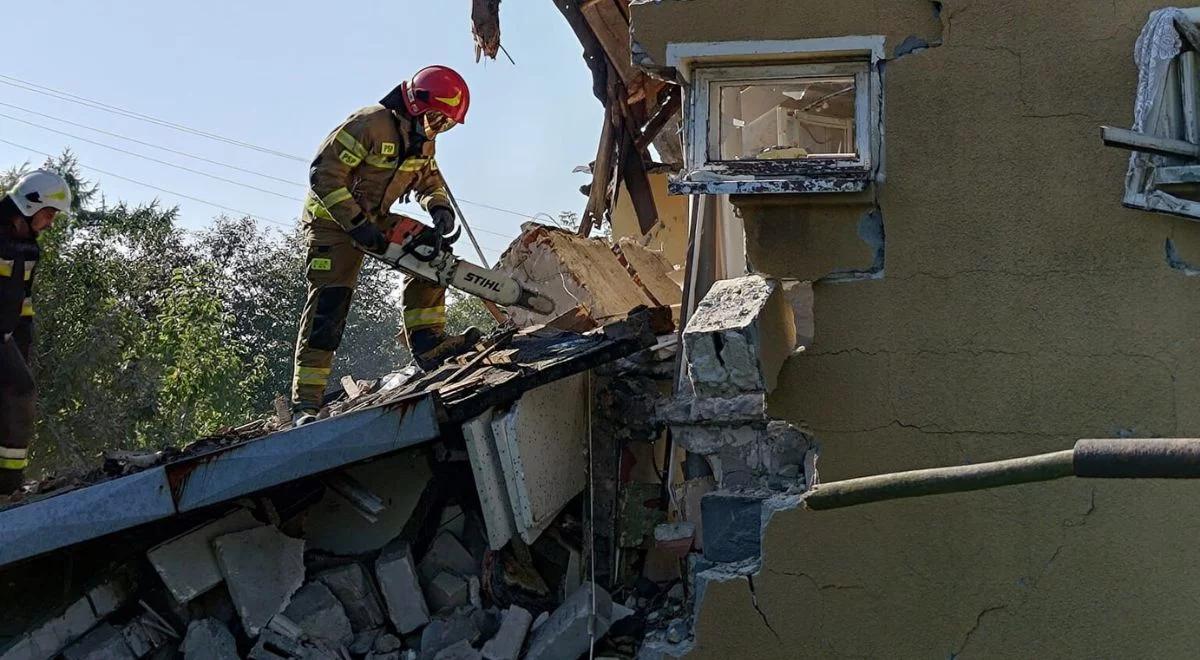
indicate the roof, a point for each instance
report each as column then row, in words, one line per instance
column 221, row 468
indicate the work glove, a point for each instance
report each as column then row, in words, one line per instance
column 368, row 235
column 443, row 221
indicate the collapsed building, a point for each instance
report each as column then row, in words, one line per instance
column 512, row 503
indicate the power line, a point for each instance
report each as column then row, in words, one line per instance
column 153, row 159
column 106, row 107
column 154, row 187
column 152, row 145
column 100, row 105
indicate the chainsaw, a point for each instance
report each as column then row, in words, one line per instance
column 423, row 252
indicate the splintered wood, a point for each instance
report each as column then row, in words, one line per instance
column 585, row 273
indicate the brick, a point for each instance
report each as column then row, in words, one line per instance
column 507, row 643
column 446, row 592
column 320, row 615
column 566, row 633
column 401, row 590
column 739, row 336
column 351, row 585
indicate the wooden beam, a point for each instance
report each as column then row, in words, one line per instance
column 612, row 31
column 593, row 52
column 1191, row 98
column 637, row 184
column 665, row 112
column 1126, row 139
column 601, row 172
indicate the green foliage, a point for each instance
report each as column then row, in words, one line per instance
column 463, row 311
column 147, row 336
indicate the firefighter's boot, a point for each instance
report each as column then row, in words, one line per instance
column 432, row 347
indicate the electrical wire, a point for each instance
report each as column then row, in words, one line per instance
column 153, row 159
column 116, row 110
column 154, row 187
column 131, row 114
column 152, row 145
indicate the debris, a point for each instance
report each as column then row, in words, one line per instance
column 387, row 642
column 320, row 615
column 447, row 591
column 272, row 645
column 537, row 623
column 334, row 525
column 187, row 564
column 102, row 643
column 490, row 483
column 366, row 503
column 351, row 586
column 209, row 639
column 446, row 554
column 111, row 594
column 732, row 526
column 675, row 538
column 459, row 651
column 640, row 513
column 147, row 632
column 570, row 270
column 677, row 631
column 263, row 568
column 566, row 633
column 47, row 639
column 651, row 270
column 364, row 641
column 453, row 520
column 739, row 336
column 475, row 592
column 512, row 580
column 507, row 643
column 442, row 633
column 401, row 590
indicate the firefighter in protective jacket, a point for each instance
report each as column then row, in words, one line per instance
column 28, row 209
column 380, row 154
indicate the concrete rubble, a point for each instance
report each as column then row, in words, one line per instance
column 464, row 560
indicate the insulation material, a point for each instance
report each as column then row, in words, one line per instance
column 541, row 444
column 570, row 270
column 489, row 480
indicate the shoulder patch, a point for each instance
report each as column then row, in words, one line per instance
column 388, row 149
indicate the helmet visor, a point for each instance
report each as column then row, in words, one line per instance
column 436, row 122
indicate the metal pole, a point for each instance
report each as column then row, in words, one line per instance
column 491, row 307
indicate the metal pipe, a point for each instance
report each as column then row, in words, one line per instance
column 1156, row 458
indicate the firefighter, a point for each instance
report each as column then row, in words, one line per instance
column 380, row 154
column 27, row 210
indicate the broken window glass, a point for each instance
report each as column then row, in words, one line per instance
column 786, row 120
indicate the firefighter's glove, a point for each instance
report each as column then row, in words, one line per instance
column 368, row 235
column 443, row 221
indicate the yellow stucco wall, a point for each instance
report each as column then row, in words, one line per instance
column 670, row 234
column 1021, row 308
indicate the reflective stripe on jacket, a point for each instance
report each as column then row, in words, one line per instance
column 373, row 159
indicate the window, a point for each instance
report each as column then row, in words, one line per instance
column 795, row 119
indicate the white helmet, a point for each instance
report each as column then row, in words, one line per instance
column 39, row 189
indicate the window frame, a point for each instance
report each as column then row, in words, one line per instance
column 790, row 61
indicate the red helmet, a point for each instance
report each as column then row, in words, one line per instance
column 437, row 88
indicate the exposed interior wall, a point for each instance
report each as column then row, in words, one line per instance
column 670, row 234
column 990, row 299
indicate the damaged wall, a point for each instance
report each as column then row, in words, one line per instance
column 1021, row 308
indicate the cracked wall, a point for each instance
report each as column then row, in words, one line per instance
column 1021, row 308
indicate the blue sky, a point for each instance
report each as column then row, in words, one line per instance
column 282, row 75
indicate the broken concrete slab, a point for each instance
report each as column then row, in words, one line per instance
column 401, row 589
column 566, row 633
column 364, row 641
column 387, row 642
column 187, row 564
column 507, row 643
column 732, row 526
column 320, row 615
column 263, row 568
column 351, row 585
column 111, row 594
column 333, row 523
column 739, row 336
column 652, row 270
column 208, row 639
column 446, row 554
column 104, row 642
column 458, row 651
column 47, row 639
column 453, row 520
column 272, row 645
column 446, row 592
